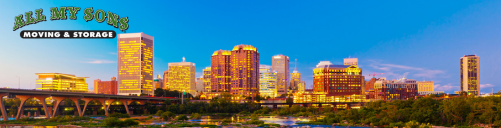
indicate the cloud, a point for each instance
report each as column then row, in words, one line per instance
column 197, row 74
column 447, row 87
column 399, row 71
column 99, row 62
column 113, row 53
column 486, row 85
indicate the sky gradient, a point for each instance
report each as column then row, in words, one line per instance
column 421, row 40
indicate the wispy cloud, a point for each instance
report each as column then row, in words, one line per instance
column 99, row 62
column 395, row 70
column 447, row 87
column 199, row 74
column 486, row 85
column 113, row 53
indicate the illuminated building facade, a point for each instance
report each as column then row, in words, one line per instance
column 158, row 82
column 244, row 70
column 166, row 79
column 220, row 75
column 295, row 79
column 425, row 86
column 280, row 63
column 61, row 82
column 337, row 80
column 470, row 74
column 351, row 61
column 301, row 86
column 199, row 84
column 106, row 87
column 207, row 78
column 369, row 88
column 182, row 77
column 267, row 81
column 402, row 89
column 135, row 64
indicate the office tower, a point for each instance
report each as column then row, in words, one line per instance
column 220, row 79
column 158, row 82
column 199, row 85
column 61, row 82
column 351, row 61
column 207, row 79
column 267, row 81
column 402, row 89
column 106, row 87
column 244, row 71
column 295, row 78
column 301, row 86
column 337, row 80
column 135, row 64
column 182, row 77
column 166, row 79
column 470, row 74
column 280, row 63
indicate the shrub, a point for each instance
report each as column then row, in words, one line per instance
column 181, row 118
column 119, row 115
column 115, row 122
column 195, row 116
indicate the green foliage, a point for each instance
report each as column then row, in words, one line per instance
column 119, row 115
column 181, row 118
column 195, row 116
column 115, row 122
column 159, row 113
column 167, row 115
column 254, row 120
column 67, row 118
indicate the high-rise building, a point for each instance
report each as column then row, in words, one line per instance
column 182, row 77
column 220, row 78
column 207, row 79
column 402, row 89
column 158, row 82
column 295, row 79
column 470, row 74
column 106, row 87
column 280, row 63
column 337, row 80
column 61, row 82
column 135, row 64
column 351, row 61
column 199, row 85
column 267, row 81
column 301, row 86
column 166, row 79
column 244, row 70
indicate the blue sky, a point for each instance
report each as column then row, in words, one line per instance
column 421, row 40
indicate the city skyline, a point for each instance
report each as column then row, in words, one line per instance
column 412, row 44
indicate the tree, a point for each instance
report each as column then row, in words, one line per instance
column 159, row 92
column 159, row 113
column 167, row 115
column 181, row 118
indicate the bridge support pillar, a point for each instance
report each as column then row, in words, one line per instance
column 320, row 107
column 23, row 99
column 59, row 99
column 275, row 107
column 126, row 103
column 4, row 113
column 102, row 100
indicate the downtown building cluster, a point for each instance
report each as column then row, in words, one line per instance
column 238, row 72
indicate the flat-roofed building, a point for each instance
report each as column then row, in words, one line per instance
column 470, row 74
column 182, row 77
column 61, row 82
column 106, row 87
column 267, row 81
column 402, row 89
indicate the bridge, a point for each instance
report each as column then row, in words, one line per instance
column 24, row 95
column 319, row 104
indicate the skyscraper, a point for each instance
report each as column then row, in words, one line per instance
column 182, row 77
column 220, row 71
column 207, row 79
column 166, row 79
column 295, row 79
column 105, row 87
column 135, row 64
column 280, row 63
column 470, row 74
column 244, row 70
column 267, row 81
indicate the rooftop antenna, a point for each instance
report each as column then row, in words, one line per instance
column 184, row 59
